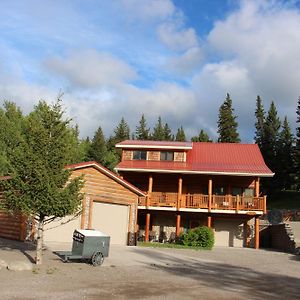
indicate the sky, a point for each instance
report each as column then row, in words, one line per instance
column 175, row 59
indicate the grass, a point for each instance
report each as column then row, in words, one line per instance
column 284, row 200
column 169, row 245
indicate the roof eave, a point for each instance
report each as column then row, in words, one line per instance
column 196, row 172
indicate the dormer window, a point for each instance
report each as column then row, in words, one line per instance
column 139, row 155
column 167, row 155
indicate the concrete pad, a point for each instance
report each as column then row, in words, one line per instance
column 3, row 264
column 19, row 266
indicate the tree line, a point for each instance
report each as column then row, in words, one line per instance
column 279, row 146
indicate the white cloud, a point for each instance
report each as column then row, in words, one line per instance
column 177, row 39
column 90, row 68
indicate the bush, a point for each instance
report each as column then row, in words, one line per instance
column 202, row 237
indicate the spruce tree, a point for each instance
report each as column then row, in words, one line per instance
column 167, row 133
column 202, row 137
column 180, row 135
column 260, row 122
column 271, row 138
column 297, row 148
column 227, row 125
column 158, row 131
column 284, row 174
column 97, row 150
column 141, row 131
column 40, row 186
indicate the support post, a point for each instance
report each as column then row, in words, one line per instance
column 23, row 229
column 209, row 221
column 179, row 193
column 90, row 214
column 82, row 223
column 265, row 205
column 178, row 219
column 256, row 236
column 147, row 228
column 257, row 187
column 209, row 193
column 150, row 187
column 237, row 203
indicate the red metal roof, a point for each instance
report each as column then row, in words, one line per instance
column 104, row 170
column 209, row 158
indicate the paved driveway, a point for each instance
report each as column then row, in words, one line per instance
column 147, row 273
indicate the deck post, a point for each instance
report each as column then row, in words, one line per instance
column 178, row 219
column 265, row 205
column 209, row 221
column 147, row 227
column 150, row 186
column 209, row 193
column 237, row 203
column 179, row 193
column 257, row 187
column 256, row 235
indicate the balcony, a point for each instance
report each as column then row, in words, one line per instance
column 199, row 201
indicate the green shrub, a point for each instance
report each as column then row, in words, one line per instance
column 202, row 237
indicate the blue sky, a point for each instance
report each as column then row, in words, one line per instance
column 174, row 59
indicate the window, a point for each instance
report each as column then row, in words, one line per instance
column 237, row 191
column 219, row 190
column 248, row 192
column 139, row 155
column 165, row 155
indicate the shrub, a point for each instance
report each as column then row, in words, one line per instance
column 202, row 237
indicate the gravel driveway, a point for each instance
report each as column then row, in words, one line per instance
column 148, row 273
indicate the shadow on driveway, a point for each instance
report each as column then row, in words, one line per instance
column 244, row 281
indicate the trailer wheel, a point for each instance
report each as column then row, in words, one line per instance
column 97, row 259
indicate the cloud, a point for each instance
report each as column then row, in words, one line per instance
column 89, row 69
column 175, row 38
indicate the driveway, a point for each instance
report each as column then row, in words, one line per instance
column 148, row 273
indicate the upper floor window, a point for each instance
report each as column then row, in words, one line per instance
column 166, row 155
column 139, row 155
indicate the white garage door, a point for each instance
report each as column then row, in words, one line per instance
column 113, row 220
column 61, row 230
column 228, row 233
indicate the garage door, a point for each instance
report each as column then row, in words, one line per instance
column 113, row 220
column 61, row 230
column 228, row 233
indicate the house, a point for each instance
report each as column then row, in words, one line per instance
column 109, row 204
column 192, row 184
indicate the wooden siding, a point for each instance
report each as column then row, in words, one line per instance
column 101, row 186
column 153, row 155
column 11, row 226
column 179, row 156
column 127, row 155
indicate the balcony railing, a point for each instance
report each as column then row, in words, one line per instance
column 199, row 201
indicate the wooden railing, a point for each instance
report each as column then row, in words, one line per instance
column 227, row 202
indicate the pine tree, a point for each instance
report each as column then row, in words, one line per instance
column 180, row 135
column 271, row 136
column 167, row 132
column 40, row 186
column 297, row 148
column 227, row 125
column 158, row 131
column 97, row 150
column 141, row 131
column 202, row 137
column 284, row 174
column 260, row 122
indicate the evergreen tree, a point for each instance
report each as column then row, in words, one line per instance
column 141, row 131
column 297, row 148
column 40, row 186
column 284, row 174
column 260, row 122
column 180, row 135
column 202, row 137
column 167, row 132
column 97, row 150
column 227, row 125
column 158, row 131
column 271, row 137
